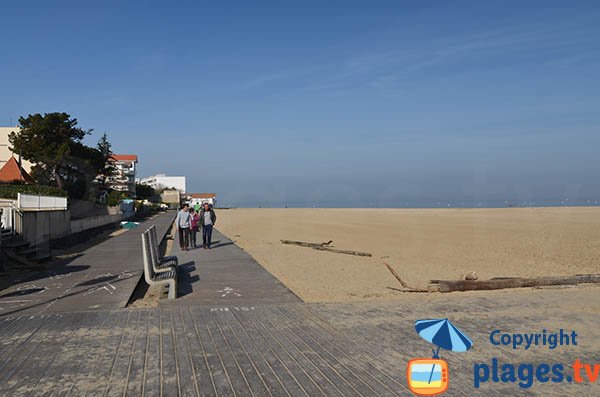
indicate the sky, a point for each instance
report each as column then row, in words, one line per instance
column 337, row 103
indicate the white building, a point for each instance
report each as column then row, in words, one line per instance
column 5, row 153
column 124, row 178
column 163, row 181
column 201, row 198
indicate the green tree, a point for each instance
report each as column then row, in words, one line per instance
column 53, row 142
column 115, row 197
column 108, row 169
column 144, row 191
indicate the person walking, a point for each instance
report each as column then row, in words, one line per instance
column 208, row 218
column 197, row 207
column 194, row 219
column 182, row 223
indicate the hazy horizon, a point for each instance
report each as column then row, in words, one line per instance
column 349, row 104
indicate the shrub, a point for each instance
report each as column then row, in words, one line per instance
column 10, row 191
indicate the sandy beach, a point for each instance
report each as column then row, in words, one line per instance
column 421, row 244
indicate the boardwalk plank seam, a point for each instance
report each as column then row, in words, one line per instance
column 292, row 357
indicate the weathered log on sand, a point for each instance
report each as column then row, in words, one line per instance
column 305, row 244
column 408, row 288
column 325, row 247
column 338, row 251
column 511, row 282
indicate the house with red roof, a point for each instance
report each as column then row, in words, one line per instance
column 12, row 171
column 201, row 198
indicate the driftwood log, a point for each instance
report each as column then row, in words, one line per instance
column 406, row 286
column 510, row 282
column 309, row 245
column 325, row 247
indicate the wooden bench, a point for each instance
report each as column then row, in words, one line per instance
column 166, row 277
column 159, row 264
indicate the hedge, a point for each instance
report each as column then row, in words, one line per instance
column 10, row 191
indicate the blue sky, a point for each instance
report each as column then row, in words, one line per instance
column 381, row 103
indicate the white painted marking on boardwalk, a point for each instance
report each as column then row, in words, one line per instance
column 235, row 308
column 55, row 276
column 32, row 286
column 228, row 291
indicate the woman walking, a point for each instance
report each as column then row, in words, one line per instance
column 193, row 227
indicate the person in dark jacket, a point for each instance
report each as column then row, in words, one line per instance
column 208, row 218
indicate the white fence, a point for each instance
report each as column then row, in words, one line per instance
column 28, row 202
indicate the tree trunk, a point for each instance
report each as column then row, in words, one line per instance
column 59, row 182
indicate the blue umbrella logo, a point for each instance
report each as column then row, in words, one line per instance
column 443, row 334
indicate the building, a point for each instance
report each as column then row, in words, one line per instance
column 171, row 197
column 123, row 179
column 5, row 152
column 162, row 181
column 201, row 198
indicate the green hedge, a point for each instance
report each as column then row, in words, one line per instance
column 10, row 191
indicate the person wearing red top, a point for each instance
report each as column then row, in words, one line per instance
column 193, row 227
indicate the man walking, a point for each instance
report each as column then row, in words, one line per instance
column 207, row 219
column 183, row 223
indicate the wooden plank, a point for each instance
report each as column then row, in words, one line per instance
column 119, row 373
column 305, row 375
column 218, row 373
column 135, row 373
column 186, row 378
column 232, row 368
column 268, row 374
column 152, row 380
column 61, row 368
column 99, row 378
column 294, row 377
column 85, row 354
column 352, row 378
column 288, row 381
column 202, row 376
column 26, row 375
column 329, row 381
column 28, row 346
column 352, row 352
column 251, row 373
column 169, row 368
column 17, row 335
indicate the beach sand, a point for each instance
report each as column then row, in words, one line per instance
column 420, row 244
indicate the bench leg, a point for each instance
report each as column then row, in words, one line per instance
column 172, row 289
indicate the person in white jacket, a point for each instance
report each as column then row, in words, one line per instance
column 183, row 223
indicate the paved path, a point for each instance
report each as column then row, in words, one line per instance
column 104, row 277
column 225, row 275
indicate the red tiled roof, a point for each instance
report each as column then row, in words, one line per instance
column 12, row 172
column 203, row 195
column 125, row 157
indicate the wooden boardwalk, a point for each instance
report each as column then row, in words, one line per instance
column 242, row 351
column 103, row 277
column 225, row 275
